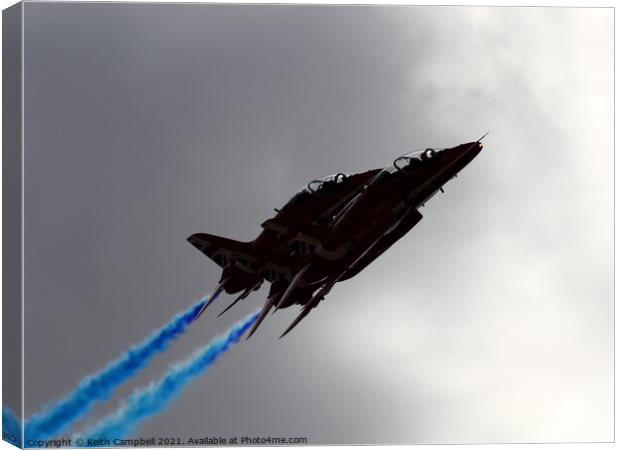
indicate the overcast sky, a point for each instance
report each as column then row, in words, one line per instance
column 492, row 321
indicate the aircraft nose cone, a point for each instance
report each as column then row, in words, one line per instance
column 462, row 155
column 474, row 148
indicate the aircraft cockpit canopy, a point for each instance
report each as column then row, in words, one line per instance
column 413, row 159
column 325, row 182
column 408, row 163
column 319, row 186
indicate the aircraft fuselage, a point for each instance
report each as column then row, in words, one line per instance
column 332, row 229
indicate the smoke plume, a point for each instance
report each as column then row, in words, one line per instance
column 59, row 416
column 158, row 396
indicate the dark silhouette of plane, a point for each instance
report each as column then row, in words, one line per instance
column 331, row 230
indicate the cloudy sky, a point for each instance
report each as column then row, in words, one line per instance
column 492, row 321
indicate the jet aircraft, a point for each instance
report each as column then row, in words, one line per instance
column 331, row 230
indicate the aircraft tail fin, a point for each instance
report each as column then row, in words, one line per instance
column 222, row 251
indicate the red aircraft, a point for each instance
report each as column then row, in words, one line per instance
column 331, row 230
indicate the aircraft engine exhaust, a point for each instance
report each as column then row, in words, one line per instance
column 158, row 396
column 60, row 415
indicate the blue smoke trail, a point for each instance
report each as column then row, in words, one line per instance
column 11, row 427
column 159, row 395
column 99, row 387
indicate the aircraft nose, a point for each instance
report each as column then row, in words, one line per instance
column 474, row 147
column 460, row 156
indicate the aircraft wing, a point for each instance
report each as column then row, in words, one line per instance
column 326, row 287
column 313, row 303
